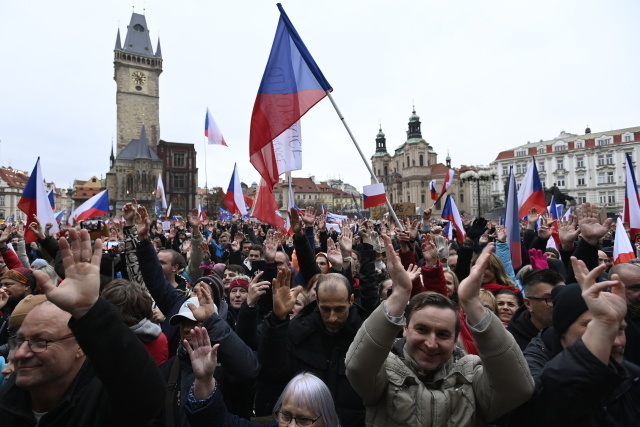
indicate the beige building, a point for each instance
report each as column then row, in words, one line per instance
column 589, row 167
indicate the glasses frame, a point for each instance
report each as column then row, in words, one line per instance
column 296, row 419
column 547, row 300
column 19, row 341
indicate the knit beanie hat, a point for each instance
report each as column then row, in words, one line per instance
column 23, row 308
column 568, row 305
column 239, row 283
column 219, row 268
column 21, row 275
column 215, row 283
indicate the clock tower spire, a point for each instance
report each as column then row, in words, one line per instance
column 137, row 73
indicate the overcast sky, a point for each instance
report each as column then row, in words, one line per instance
column 484, row 77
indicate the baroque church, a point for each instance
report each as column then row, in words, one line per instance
column 141, row 155
column 407, row 172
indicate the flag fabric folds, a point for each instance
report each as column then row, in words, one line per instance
column 35, row 203
column 212, row 131
column 531, row 193
column 51, row 195
column 265, row 207
column 59, row 215
column 450, row 213
column 448, row 179
column 224, row 215
column 291, row 84
column 169, row 211
column 234, row 199
column 512, row 223
column 373, row 195
column 432, row 189
column 335, row 218
column 631, row 210
column 622, row 249
column 161, row 198
column 202, row 215
column 95, row 206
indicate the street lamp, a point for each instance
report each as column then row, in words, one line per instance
column 477, row 177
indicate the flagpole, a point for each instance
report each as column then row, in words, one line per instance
column 373, row 176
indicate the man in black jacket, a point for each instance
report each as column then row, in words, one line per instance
column 629, row 274
column 315, row 341
column 76, row 363
column 535, row 313
column 580, row 374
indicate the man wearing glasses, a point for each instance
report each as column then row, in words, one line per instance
column 535, row 313
column 76, row 363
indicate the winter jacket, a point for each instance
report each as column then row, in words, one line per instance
column 153, row 339
column 521, row 327
column 574, row 388
column 303, row 344
column 118, row 385
column 471, row 391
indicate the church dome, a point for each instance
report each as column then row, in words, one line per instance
column 414, row 117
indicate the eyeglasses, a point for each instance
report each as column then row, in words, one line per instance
column 286, row 418
column 546, row 300
column 37, row 345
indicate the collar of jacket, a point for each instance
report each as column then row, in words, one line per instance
column 309, row 321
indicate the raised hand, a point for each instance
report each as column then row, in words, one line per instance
column 400, row 278
column 143, row 223
column 334, row 255
column 206, row 306
column 478, row 228
column 532, row 217
column 129, row 212
column 284, row 298
column 568, row 232
column 194, row 221
column 426, row 215
column 501, row 234
column 414, row 272
column 257, row 288
column 544, row 232
column 469, row 289
column 270, row 246
column 538, row 259
column 309, row 216
column 429, row 250
column 35, row 227
column 412, row 229
column 346, row 239
column 296, row 222
column 79, row 291
column 591, row 228
column 204, row 359
column 204, row 249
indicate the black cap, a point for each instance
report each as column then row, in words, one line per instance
column 568, row 305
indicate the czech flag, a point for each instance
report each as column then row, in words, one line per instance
column 448, row 179
column 59, row 215
column 450, row 213
column 292, row 83
column 95, row 206
column 512, row 222
column 265, row 207
column 373, row 195
column 531, row 194
column 432, row 189
column 202, row 215
column 212, row 132
column 631, row 210
column 622, row 249
column 234, row 199
column 51, row 195
column 35, row 203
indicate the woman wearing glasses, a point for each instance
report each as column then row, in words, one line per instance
column 305, row 400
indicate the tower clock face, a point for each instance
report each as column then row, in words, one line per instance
column 138, row 78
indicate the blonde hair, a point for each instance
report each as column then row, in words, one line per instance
column 487, row 299
column 497, row 267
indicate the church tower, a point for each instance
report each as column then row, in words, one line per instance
column 137, row 73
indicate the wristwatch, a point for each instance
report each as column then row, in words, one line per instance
column 347, row 259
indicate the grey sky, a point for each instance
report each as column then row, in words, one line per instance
column 484, row 76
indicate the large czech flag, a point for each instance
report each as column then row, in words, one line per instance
column 35, row 203
column 95, row 206
column 531, row 193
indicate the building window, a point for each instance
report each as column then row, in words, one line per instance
column 561, row 181
column 607, row 197
column 505, row 170
column 579, row 144
column 408, row 162
column 560, row 148
column 601, row 178
column 179, row 182
column 579, row 162
column 179, row 159
column 560, row 164
column 461, row 197
column 581, row 180
column 2, row 214
column 422, row 199
column 610, row 178
column 385, row 171
column 541, row 167
column 600, row 159
column 1, row 200
column 421, row 159
column 609, row 159
column 521, row 153
column 582, row 198
column 627, row 138
column 542, row 150
column 603, row 141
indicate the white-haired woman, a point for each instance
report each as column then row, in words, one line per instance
column 305, row 399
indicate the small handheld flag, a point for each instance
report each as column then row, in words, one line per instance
column 373, row 195
column 234, row 200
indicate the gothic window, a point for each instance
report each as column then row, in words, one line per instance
column 138, row 28
column 129, row 186
column 179, row 159
column 179, row 181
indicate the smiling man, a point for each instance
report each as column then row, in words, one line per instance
column 419, row 380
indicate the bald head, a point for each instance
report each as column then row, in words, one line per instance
column 629, row 275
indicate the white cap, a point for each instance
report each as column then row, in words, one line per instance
column 185, row 312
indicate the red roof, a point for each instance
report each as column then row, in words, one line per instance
column 14, row 178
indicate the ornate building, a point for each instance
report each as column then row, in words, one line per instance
column 138, row 161
column 406, row 174
column 589, row 167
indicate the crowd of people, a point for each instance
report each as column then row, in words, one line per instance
column 214, row 323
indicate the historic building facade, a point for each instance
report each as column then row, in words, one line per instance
column 407, row 173
column 589, row 167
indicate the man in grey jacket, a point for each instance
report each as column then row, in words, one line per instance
column 420, row 381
